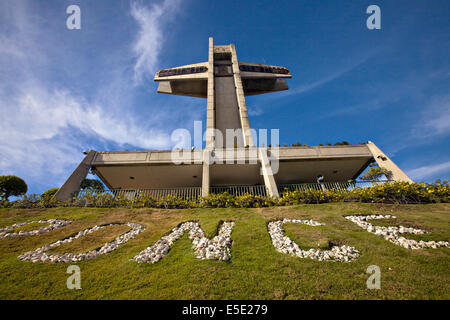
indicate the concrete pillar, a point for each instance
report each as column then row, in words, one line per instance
column 384, row 162
column 210, row 109
column 205, row 173
column 73, row 184
column 266, row 171
column 245, row 123
column 210, row 119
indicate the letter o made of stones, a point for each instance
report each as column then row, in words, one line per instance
column 52, row 225
column 40, row 255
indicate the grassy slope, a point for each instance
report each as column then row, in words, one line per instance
column 256, row 270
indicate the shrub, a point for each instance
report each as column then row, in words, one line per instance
column 395, row 192
column 12, row 186
column 219, row 200
column 47, row 196
column 28, row 201
column 404, row 192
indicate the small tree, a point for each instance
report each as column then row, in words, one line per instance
column 12, row 186
column 375, row 173
column 48, row 194
column 92, row 185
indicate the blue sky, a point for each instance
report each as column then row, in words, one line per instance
column 63, row 91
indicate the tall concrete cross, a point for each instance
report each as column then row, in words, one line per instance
column 225, row 82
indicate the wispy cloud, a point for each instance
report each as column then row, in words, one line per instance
column 435, row 118
column 148, row 45
column 430, row 171
column 46, row 123
column 255, row 111
column 325, row 79
column 41, row 114
column 336, row 74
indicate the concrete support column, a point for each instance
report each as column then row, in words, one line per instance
column 266, row 171
column 245, row 123
column 205, row 173
column 384, row 162
column 73, row 184
column 210, row 111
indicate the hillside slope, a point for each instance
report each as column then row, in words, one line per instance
column 255, row 271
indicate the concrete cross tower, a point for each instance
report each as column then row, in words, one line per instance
column 225, row 82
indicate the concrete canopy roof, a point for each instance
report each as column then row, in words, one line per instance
column 154, row 169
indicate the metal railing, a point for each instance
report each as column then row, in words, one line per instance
column 237, row 190
column 256, row 190
column 335, row 186
column 157, row 193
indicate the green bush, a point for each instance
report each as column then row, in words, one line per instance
column 28, row 201
column 404, row 192
column 395, row 192
column 47, row 196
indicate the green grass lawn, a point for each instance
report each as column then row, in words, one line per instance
column 256, row 270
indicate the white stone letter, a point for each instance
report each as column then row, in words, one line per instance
column 285, row 245
column 216, row 248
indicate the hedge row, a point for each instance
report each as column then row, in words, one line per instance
column 396, row 192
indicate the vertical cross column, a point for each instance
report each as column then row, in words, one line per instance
column 210, row 109
column 245, row 123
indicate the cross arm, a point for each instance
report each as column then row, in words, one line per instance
column 258, row 70
column 263, row 78
column 196, row 71
column 189, row 80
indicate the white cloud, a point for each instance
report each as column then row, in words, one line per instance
column 148, row 45
column 333, row 75
column 430, row 171
column 36, row 141
column 436, row 118
column 40, row 114
column 44, row 125
column 254, row 111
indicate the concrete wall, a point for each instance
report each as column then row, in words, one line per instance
column 227, row 110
